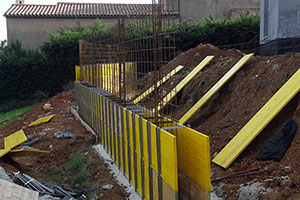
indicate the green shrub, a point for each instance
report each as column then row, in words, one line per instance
column 80, row 178
column 76, row 162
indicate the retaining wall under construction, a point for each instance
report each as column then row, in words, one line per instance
column 168, row 161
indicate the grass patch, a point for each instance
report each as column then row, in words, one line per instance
column 76, row 162
column 80, row 178
column 73, row 172
column 8, row 117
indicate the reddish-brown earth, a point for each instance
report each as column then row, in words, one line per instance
column 61, row 149
column 233, row 106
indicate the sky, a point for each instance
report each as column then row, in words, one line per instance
column 5, row 5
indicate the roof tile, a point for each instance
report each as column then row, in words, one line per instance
column 80, row 10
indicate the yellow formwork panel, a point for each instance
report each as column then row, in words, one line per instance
column 131, row 148
column 146, row 159
column 41, row 120
column 139, row 174
column 12, row 141
column 258, row 122
column 126, row 143
column 153, row 148
column 15, row 139
column 183, row 83
column 194, row 156
column 215, row 88
column 3, row 152
column 159, row 83
column 169, row 168
column 77, row 68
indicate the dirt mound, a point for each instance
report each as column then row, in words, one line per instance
column 234, row 105
column 41, row 166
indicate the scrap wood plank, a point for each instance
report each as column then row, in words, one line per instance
column 183, row 83
column 159, row 83
column 41, row 120
column 215, row 88
column 260, row 120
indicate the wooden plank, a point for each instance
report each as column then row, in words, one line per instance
column 183, row 83
column 258, row 122
column 158, row 84
column 215, row 89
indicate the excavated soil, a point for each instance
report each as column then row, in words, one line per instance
column 232, row 107
column 61, row 149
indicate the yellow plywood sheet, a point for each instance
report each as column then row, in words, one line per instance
column 257, row 123
column 194, row 156
column 15, row 139
column 12, row 141
column 158, row 84
column 41, row 120
column 215, row 89
column 77, row 73
column 26, row 152
column 183, row 83
column 3, row 152
column 169, row 171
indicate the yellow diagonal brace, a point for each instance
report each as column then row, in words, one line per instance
column 183, row 83
column 215, row 88
column 159, row 83
column 41, row 120
column 260, row 120
column 26, row 152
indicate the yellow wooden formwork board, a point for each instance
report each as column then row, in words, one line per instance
column 3, row 152
column 153, row 148
column 27, row 152
column 194, row 156
column 159, row 83
column 169, row 168
column 215, row 89
column 15, row 139
column 258, row 122
column 146, row 159
column 183, row 83
column 77, row 68
column 126, row 144
column 12, row 141
column 41, row 120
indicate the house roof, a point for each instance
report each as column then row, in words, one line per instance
column 66, row 10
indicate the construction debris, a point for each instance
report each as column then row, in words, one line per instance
column 63, row 134
column 49, row 189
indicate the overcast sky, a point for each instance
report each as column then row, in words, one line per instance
column 5, row 5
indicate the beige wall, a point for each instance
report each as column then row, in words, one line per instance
column 197, row 10
column 31, row 32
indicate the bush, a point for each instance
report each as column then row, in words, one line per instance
column 22, row 72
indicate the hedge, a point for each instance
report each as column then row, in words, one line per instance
column 24, row 72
